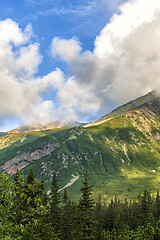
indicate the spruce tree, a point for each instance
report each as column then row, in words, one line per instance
column 20, row 197
column 86, row 204
column 146, row 208
column 31, row 190
column 110, row 216
column 6, row 204
column 30, row 177
column 54, row 213
column 67, row 218
column 34, row 211
column 99, row 215
column 157, row 207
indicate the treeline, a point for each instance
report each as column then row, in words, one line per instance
column 28, row 212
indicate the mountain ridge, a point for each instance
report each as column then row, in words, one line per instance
column 122, row 154
column 44, row 127
column 138, row 102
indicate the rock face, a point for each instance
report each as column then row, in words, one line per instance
column 22, row 160
column 121, row 152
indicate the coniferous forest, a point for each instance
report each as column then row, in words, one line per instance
column 27, row 211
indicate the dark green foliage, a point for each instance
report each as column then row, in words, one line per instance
column 30, row 177
column 122, row 155
column 54, row 210
column 99, row 216
column 157, row 207
column 86, row 204
column 67, row 217
column 6, row 205
column 26, row 212
column 146, row 208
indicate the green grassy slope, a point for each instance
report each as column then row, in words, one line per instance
column 122, row 155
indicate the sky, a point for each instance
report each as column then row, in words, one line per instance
column 75, row 59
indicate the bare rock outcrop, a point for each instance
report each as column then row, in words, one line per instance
column 24, row 159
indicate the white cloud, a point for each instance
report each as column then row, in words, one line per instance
column 10, row 32
column 124, row 65
column 133, row 14
column 21, row 94
column 65, row 49
column 129, row 44
column 125, row 61
column 40, row 113
column 76, row 100
column 23, row 62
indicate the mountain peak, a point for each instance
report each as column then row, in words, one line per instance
column 51, row 125
column 150, row 100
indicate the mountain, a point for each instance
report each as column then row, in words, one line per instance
column 150, row 98
column 52, row 125
column 120, row 150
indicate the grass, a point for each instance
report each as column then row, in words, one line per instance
column 119, row 154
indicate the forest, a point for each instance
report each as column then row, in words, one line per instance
column 28, row 211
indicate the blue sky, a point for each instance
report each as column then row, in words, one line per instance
column 66, row 58
column 60, row 18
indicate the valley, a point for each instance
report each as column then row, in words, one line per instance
column 121, row 152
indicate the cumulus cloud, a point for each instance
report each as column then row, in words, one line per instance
column 67, row 49
column 123, row 65
column 21, row 94
column 125, row 61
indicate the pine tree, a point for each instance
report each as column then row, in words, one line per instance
column 146, row 208
column 110, row 216
column 30, row 177
column 86, row 204
column 33, row 209
column 157, row 207
column 6, row 205
column 54, row 213
column 99, row 215
column 18, row 180
column 20, row 197
column 126, row 211
column 43, row 193
column 135, row 213
column 31, row 190
column 67, row 218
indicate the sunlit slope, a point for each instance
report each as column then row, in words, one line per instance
column 149, row 98
column 122, row 154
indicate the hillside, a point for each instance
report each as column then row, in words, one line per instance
column 52, row 125
column 122, row 152
column 148, row 99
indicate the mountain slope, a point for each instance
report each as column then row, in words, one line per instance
column 52, row 125
column 122, row 154
column 137, row 103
